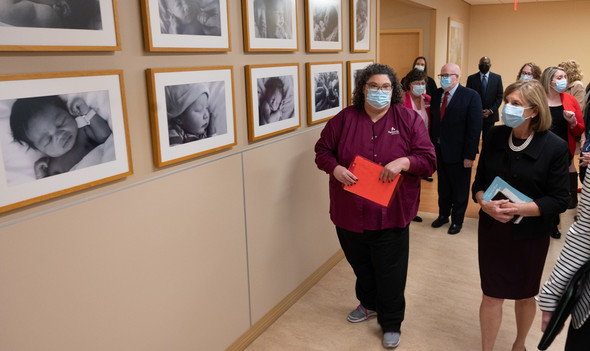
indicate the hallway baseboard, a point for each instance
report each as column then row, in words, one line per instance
column 268, row 319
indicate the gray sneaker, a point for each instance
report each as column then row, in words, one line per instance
column 360, row 314
column 391, row 340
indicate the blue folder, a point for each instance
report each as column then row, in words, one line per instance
column 499, row 189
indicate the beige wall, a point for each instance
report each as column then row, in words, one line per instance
column 183, row 257
column 402, row 14
column 434, row 25
column 546, row 33
column 510, row 38
column 191, row 255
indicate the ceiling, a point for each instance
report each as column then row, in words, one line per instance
column 496, row 2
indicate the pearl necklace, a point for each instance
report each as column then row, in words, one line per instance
column 521, row 147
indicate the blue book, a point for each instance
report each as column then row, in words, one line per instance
column 499, row 190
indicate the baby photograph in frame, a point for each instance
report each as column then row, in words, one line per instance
column 273, row 99
column 60, row 132
column 192, row 112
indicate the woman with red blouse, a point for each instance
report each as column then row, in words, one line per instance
column 567, row 122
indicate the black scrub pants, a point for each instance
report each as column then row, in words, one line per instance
column 453, row 188
column 379, row 259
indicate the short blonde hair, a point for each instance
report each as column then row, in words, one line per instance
column 547, row 77
column 572, row 69
column 532, row 91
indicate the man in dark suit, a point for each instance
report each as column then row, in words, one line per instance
column 490, row 89
column 454, row 131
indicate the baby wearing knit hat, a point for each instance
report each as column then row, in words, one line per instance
column 188, row 111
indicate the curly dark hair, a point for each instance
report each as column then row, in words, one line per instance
column 24, row 109
column 413, row 76
column 273, row 84
column 358, row 98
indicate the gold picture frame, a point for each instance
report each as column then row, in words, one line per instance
column 165, row 30
column 360, row 25
column 323, row 24
column 270, row 25
column 324, row 90
column 273, row 99
column 90, row 25
column 92, row 104
column 210, row 127
column 352, row 67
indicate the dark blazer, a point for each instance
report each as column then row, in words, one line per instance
column 430, row 86
column 458, row 132
column 540, row 171
column 493, row 98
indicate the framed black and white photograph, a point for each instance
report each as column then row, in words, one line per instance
column 59, row 25
column 323, row 19
column 59, row 133
column 192, row 112
column 273, row 99
column 186, row 25
column 270, row 25
column 360, row 25
column 324, row 91
column 353, row 67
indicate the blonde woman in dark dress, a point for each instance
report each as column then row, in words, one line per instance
column 535, row 161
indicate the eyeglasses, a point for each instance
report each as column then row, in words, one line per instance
column 447, row 75
column 384, row 87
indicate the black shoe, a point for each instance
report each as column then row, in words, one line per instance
column 455, row 229
column 556, row 234
column 440, row 221
column 417, row 219
column 573, row 203
column 428, row 179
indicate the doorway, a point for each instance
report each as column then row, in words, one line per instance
column 399, row 47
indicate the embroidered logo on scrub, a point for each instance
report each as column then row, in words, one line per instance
column 393, row 131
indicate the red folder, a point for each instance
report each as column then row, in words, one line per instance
column 368, row 185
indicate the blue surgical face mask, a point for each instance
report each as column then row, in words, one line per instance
column 419, row 68
column 560, row 85
column 378, row 98
column 418, row 89
column 525, row 76
column 445, row 82
column 512, row 115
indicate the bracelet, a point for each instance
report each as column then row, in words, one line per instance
column 83, row 121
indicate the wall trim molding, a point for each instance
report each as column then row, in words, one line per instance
column 279, row 309
column 190, row 166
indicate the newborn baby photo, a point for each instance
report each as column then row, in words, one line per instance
column 43, row 136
